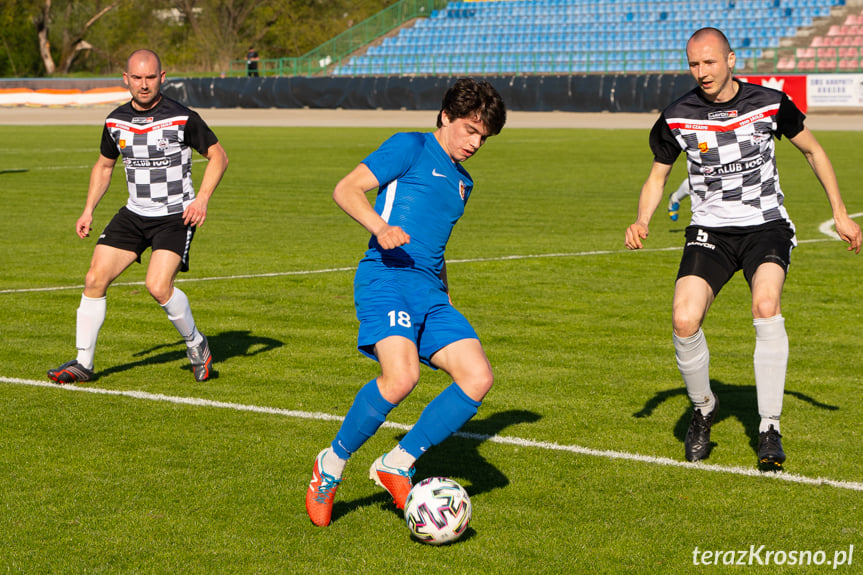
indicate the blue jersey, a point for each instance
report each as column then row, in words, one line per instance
column 423, row 192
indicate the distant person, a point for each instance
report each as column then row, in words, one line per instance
column 675, row 197
column 727, row 130
column 252, row 60
column 155, row 137
column 402, row 295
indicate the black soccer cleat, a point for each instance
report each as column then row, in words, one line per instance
column 771, row 456
column 697, row 442
column 201, row 360
column 71, row 372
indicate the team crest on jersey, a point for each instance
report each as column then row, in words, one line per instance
column 162, row 144
column 722, row 115
column 142, row 120
column 759, row 137
column 703, row 147
column 122, row 144
column 461, row 189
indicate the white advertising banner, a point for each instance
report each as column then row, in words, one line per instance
column 835, row 90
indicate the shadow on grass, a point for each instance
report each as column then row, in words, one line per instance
column 458, row 457
column 735, row 401
column 223, row 346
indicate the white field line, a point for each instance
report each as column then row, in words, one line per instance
column 828, row 230
column 81, row 167
column 352, row 268
column 503, row 440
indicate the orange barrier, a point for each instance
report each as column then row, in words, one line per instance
column 53, row 97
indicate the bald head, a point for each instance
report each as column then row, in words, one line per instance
column 712, row 35
column 143, row 56
column 711, row 63
column 144, row 77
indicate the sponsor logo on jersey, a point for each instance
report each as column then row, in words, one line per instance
column 722, row 115
column 142, row 120
column 145, row 163
column 436, row 174
column 733, row 168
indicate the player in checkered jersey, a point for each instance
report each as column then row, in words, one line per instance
column 155, row 137
column 727, row 130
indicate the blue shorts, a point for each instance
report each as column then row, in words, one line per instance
column 406, row 303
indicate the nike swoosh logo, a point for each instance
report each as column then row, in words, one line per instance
column 434, row 173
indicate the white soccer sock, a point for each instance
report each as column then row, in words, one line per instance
column 180, row 314
column 681, row 192
column 771, row 362
column 91, row 316
column 333, row 464
column 693, row 361
column 399, row 458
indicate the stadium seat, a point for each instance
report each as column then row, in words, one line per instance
column 524, row 35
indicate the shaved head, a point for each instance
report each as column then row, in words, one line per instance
column 145, row 55
column 713, row 34
column 144, row 77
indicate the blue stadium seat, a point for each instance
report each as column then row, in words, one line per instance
column 569, row 36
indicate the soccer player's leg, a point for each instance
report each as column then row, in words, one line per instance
column 692, row 298
column 675, row 197
column 460, row 354
column 106, row 265
column 387, row 334
column 171, row 240
column 701, row 275
column 770, row 359
column 400, row 366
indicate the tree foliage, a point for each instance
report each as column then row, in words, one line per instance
column 60, row 37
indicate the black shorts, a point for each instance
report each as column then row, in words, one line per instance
column 715, row 254
column 131, row 232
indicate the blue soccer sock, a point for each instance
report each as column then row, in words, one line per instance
column 365, row 416
column 445, row 415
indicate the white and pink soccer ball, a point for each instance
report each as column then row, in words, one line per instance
column 437, row 510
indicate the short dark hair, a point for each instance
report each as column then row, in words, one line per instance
column 470, row 98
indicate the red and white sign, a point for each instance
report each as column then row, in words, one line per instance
column 794, row 86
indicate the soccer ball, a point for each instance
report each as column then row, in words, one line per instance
column 437, row 510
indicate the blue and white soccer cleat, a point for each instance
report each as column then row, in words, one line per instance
column 673, row 208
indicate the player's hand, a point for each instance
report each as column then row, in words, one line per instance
column 849, row 231
column 195, row 213
column 634, row 234
column 391, row 237
column 82, row 226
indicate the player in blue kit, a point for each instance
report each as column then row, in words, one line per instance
column 401, row 292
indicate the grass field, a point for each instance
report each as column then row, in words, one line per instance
column 575, row 461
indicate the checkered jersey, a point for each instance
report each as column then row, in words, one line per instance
column 730, row 153
column 156, row 146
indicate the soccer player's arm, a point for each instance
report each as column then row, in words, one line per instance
column 100, row 180
column 350, row 195
column 203, row 140
column 653, row 189
column 847, row 228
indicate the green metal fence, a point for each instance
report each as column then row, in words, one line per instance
column 335, row 50
column 778, row 61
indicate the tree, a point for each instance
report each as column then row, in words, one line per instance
column 19, row 52
column 57, row 37
column 72, row 33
